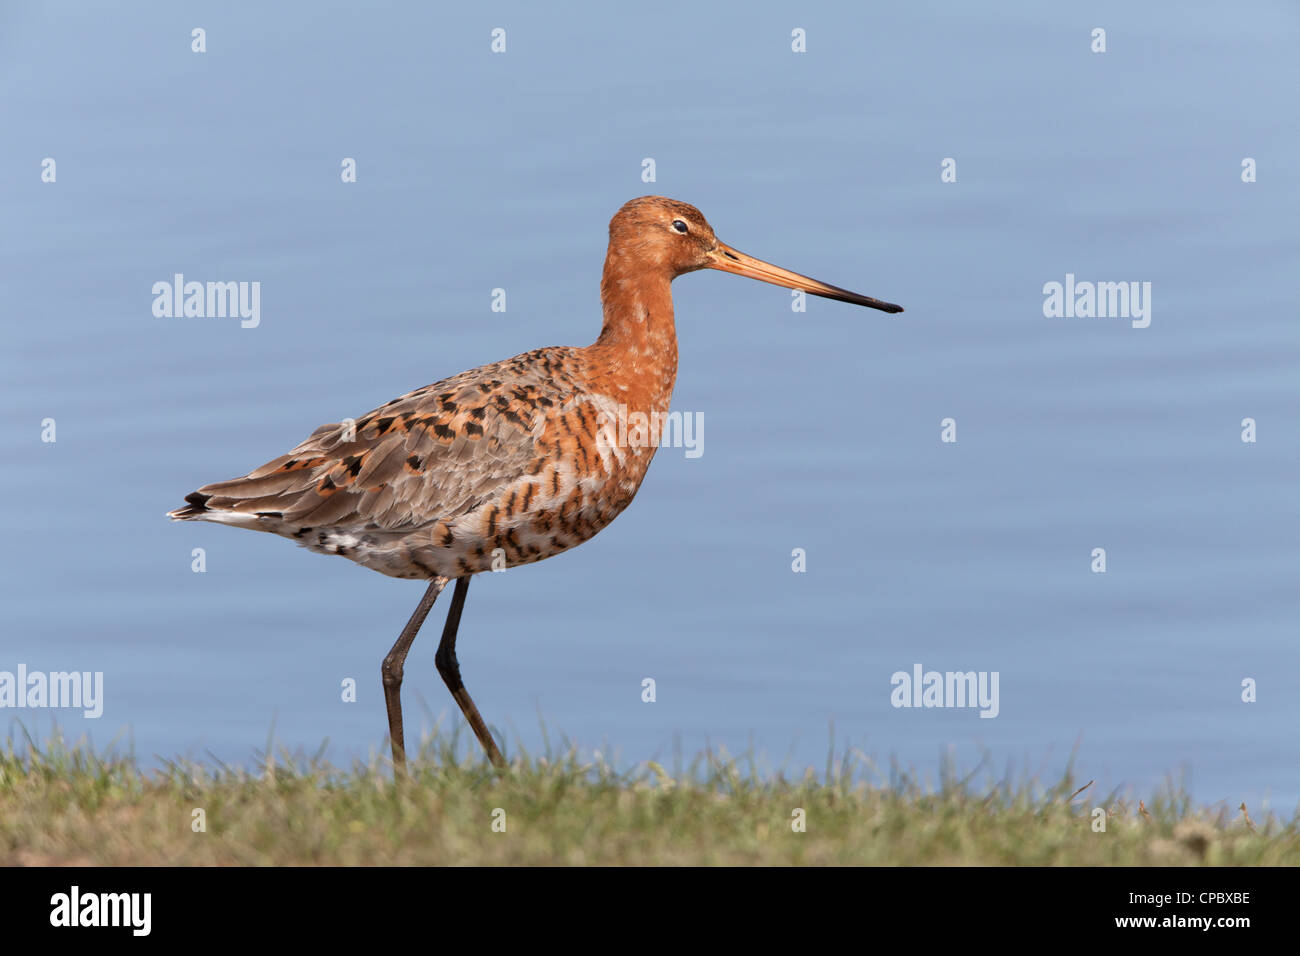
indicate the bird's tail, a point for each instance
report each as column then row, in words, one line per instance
column 197, row 505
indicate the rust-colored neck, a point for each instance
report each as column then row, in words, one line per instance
column 638, row 341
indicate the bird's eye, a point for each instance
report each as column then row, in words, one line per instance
column 679, row 225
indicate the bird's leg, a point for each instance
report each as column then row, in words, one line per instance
column 449, row 668
column 393, row 666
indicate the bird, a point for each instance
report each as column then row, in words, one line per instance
column 503, row 465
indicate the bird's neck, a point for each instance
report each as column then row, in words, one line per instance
column 638, row 341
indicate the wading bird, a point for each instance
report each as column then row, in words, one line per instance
column 514, row 461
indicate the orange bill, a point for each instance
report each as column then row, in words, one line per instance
column 727, row 259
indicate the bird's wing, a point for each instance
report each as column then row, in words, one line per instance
column 432, row 454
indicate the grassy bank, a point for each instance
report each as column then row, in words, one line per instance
column 67, row 805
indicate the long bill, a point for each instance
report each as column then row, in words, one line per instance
column 727, row 259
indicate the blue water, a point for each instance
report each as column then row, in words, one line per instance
column 822, row 429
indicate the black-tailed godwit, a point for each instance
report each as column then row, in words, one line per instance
column 514, row 461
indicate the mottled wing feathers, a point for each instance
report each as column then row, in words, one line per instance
column 430, row 455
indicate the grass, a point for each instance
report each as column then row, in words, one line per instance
column 69, row 805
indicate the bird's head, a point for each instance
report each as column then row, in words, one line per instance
column 674, row 237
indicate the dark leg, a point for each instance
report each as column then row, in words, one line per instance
column 450, row 671
column 393, row 666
